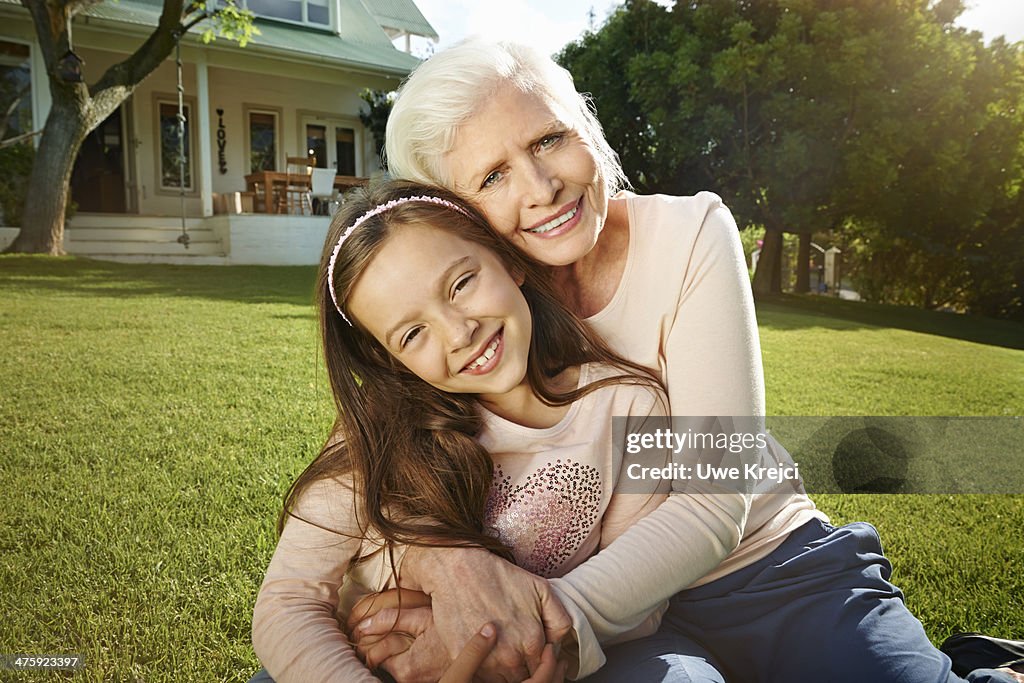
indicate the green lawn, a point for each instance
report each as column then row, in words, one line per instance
column 151, row 417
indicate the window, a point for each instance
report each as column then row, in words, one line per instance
column 168, row 164
column 15, row 89
column 262, row 140
column 332, row 144
column 310, row 12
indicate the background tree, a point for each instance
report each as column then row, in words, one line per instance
column 877, row 121
column 78, row 108
column 375, row 116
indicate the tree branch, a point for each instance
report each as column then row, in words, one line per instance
column 19, row 138
column 149, row 55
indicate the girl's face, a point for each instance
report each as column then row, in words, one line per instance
column 538, row 182
column 447, row 309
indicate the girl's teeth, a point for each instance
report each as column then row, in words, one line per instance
column 485, row 356
column 555, row 222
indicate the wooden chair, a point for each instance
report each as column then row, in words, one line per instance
column 261, row 198
column 295, row 192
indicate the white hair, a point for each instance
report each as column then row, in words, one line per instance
column 447, row 89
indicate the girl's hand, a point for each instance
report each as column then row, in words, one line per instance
column 380, row 630
column 374, row 603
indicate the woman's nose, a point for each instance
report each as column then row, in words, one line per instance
column 540, row 184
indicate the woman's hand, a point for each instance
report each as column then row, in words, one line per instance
column 467, row 587
column 404, row 642
column 465, row 666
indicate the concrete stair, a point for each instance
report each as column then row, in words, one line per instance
column 143, row 239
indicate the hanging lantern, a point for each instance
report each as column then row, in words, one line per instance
column 69, row 67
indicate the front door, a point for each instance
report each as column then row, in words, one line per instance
column 100, row 181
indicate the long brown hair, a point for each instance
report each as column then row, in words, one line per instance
column 420, row 477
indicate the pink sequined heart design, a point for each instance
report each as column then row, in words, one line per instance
column 545, row 519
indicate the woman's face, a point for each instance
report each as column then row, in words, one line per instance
column 521, row 161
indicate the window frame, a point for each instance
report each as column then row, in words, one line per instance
column 278, row 115
column 192, row 189
column 34, row 104
column 332, row 16
column 304, row 116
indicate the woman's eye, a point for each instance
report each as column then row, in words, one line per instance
column 550, row 140
column 492, row 178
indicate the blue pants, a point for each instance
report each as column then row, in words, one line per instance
column 819, row 608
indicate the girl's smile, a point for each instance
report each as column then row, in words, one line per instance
column 488, row 358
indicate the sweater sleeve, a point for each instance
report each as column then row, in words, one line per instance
column 634, row 499
column 295, row 631
column 712, row 367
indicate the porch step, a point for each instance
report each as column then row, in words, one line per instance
column 122, row 221
column 149, row 235
column 185, row 259
column 144, row 248
column 153, row 239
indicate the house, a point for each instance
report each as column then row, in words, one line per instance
column 293, row 91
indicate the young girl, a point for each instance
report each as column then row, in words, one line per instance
column 473, row 410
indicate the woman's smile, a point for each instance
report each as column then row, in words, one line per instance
column 565, row 221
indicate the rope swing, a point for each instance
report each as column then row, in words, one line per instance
column 183, row 238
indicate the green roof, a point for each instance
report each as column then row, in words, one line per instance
column 403, row 15
column 361, row 43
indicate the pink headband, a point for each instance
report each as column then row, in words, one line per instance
column 379, row 209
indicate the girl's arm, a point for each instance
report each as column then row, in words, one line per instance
column 295, row 632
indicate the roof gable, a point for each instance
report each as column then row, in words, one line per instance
column 402, row 15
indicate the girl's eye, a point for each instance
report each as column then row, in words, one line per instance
column 463, row 282
column 410, row 335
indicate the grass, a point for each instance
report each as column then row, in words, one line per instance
column 151, row 417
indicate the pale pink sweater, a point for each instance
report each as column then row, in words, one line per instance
column 683, row 306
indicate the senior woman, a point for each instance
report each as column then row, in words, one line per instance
column 761, row 586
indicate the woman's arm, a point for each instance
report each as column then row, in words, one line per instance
column 712, row 368
column 295, row 632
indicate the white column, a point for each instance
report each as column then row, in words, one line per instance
column 205, row 166
column 41, row 100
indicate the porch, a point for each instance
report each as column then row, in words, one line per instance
column 235, row 239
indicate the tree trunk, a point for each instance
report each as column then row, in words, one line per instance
column 48, row 190
column 768, row 277
column 803, row 264
column 77, row 110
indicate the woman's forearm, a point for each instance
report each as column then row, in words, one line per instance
column 674, row 546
